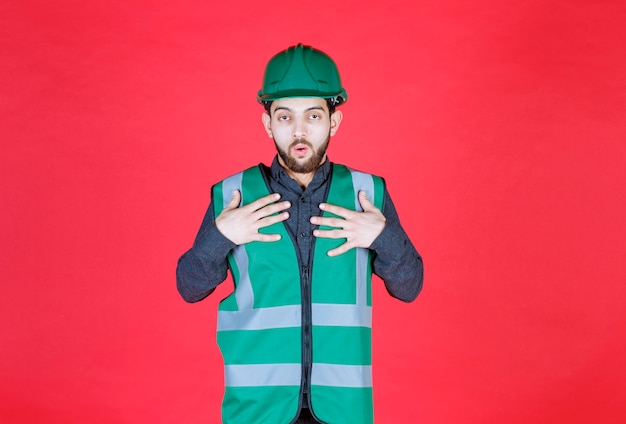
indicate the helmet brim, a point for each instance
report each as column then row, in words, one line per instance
column 340, row 97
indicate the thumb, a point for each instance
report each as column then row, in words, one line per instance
column 234, row 200
column 364, row 201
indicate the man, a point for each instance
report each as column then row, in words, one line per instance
column 301, row 239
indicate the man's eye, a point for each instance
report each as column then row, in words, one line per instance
column 314, row 116
column 283, row 118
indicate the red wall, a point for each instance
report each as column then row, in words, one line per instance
column 499, row 127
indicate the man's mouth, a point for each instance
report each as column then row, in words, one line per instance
column 300, row 150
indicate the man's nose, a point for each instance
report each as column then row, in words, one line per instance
column 299, row 130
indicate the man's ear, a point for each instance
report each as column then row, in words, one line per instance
column 335, row 121
column 267, row 120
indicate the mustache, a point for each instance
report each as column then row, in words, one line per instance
column 301, row 141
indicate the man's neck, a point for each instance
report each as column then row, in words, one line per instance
column 303, row 179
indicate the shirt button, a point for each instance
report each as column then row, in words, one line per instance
column 303, row 234
column 303, row 199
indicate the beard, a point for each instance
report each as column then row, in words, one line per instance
column 311, row 164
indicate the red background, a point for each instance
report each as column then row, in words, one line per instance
column 499, row 127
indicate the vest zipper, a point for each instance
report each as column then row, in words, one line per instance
column 306, row 333
column 307, row 320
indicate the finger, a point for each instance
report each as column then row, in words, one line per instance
column 328, row 222
column 265, row 238
column 263, row 201
column 271, row 209
column 339, row 250
column 337, row 210
column 334, row 234
column 271, row 220
column 235, row 199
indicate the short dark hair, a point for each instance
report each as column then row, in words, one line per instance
column 331, row 106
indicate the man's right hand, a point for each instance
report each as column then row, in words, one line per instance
column 241, row 224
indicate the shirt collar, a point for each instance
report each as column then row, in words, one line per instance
column 321, row 175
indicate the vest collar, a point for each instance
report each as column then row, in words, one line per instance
column 321, row 175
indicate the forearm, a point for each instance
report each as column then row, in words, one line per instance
column 397, row 261
column 203, row 267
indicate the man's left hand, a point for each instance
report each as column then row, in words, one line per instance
column 360, row 229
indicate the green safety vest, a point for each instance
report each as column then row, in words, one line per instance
column 260, row 325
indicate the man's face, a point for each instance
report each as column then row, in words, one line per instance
column 301, row 129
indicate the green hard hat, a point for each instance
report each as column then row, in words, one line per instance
column 302, row 71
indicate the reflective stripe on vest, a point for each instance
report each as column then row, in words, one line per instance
column 289, row 375
column 328, row 314
column 260, row 337
column 362, row 181
column 244, row 294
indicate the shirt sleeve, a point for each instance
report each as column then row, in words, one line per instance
column 203, row 267
column 397, row 261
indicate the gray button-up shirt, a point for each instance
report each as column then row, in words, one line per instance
column 396, row 262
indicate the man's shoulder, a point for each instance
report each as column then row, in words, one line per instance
column 259, row 167
column 356, row 171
